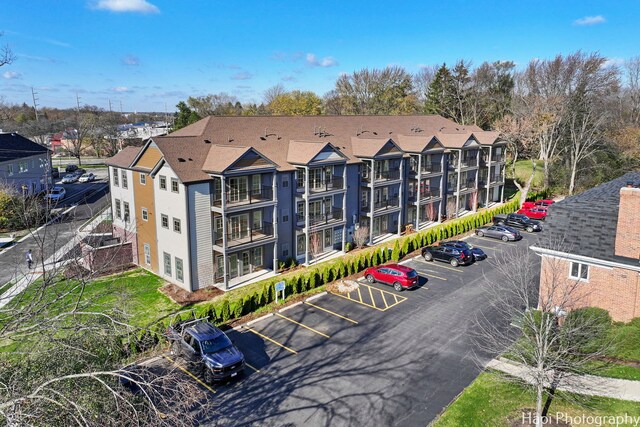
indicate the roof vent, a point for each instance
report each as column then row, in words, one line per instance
column 263, row 138
column 190, row 159
column 181, row 160
column 206, row 141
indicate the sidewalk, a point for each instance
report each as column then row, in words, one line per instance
column 580, row 384
column 52, row 262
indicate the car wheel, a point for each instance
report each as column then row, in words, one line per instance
column 480, row 233
column 505, row 238
column 454, row 262
column 428, row 256
column 397, row 286
column 370, row 278
column 208, row 376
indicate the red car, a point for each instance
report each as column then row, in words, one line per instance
column 398, row 276
column 528, row 205
column 534, row 213
column 544, row 203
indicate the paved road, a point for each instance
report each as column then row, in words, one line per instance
column 91, row 199
column 406, row 359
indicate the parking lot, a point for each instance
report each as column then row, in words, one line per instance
column 372, row 357
column 77, row 192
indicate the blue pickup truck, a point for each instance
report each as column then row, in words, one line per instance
column 206, row 349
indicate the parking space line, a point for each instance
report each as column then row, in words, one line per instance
column 252, row 367
column 303, row 325
column 356, row 301
column 270, row 339
column 331, row 312
column 360, row 295
column 384, row 299
column 371, row 296
column 433, row 263
column 428, row 273
column 498, row 241
column 398, row 299
column 188, row 372
column 395, row 297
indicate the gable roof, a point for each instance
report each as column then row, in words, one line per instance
column 371, row 147
column 223, row 157
column 303, row 152
column 124, row 157
column 588, row 221
column 14, row 146
column 455, row 140
column 418, row 143
column 487, row 137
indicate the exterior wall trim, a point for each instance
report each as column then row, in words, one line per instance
column 583, row 259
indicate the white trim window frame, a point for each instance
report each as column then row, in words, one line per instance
column 579, row 271
column 145, row 214
column 143, row 179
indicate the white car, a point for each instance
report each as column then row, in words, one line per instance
column 71, row 178
column 87, row 177
column 56, row 194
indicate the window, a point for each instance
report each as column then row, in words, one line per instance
column 179, row 271
column 257, row 220
column 176, row 225
column 147, row 254
column 285, row 250
column 9, row 170
column 115, row 177
column 145, row 214
column 174, row 185
column 23, row 167
column 118, row 209
column 143, row 179
column 301, row 244
column 579, row 271
column 167, row 263
column 164, row 220
column 163, row 182
column 256, row 184
column 285, row 215
column 256, row 256
column 285, row 182
column 125, row 184
column 300, row 209
column 126, row 211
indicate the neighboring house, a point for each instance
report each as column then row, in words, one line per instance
column 24, row 164
column 599, row 248
column 219, row 202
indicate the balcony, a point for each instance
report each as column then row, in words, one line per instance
column 431, row 168
column 497, row 158
column 483, row 161
column 334, row 215
column 453, row 164
column 425, row 195
column 246, row 197
column 382, row 205
column 250, row 235
column 469, row 162
column 330, row 184
column 497, row 178
column 384, row 176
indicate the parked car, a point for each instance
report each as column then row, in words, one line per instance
column 478, row 254
column 398, row 276
column 534, row 213
column 80, row 171
column 528, row 205
column 454, row 256
column 69, row 179
column 503, row 232
column 544, row 202
column 56, row 194
column 518, row 221
column 206, row 349
column 71, row 168
column 87, row 177
column 55, row 173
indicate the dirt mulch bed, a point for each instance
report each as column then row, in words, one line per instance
column 615, row 361
column 182, row 297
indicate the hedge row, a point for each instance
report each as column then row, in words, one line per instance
column 238, row 303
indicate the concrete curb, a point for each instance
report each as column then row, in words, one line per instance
column 251, row 322
column 314, row 297
column 289, row 307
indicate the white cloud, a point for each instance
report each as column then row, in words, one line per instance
column 243, row 75
column 121, row 89
column 140, row 6
column 614, row 62
column 327, row 61
column 131, row 60
column 590, row 20
column 10, row 75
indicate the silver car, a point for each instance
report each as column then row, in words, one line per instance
column 502, row 232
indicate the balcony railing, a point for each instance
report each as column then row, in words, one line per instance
column 431, row 167
column 497, row 178
column 335, row 214
column 497, row 158
column 453, row 163
column 248, row 235
column 255, row 195
column 433, row 193
column 382, row 204
column 383, row 176
column 469, row 162
column 483, row 161
column 333, row 183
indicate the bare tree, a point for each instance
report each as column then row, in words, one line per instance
column 272, row 93
column 586, row 128
column 632, row 90
column 315, row 244
column 6, row 54
column 361, row 236
column 541, row 327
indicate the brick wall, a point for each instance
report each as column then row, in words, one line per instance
column 616, row 290
column 628, row 231
column 128, row 236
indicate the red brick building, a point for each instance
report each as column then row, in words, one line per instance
column 599, row 258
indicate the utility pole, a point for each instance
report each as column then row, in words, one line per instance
column 78, row 101
column 35, row 103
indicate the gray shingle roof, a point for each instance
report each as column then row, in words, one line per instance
column 14, row 146
column 588, row 220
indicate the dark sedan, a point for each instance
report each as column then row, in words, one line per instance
column 452, row 255
column 477, row 253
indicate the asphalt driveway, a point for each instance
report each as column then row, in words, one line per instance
column 374, row 357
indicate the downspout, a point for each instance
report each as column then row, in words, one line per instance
column 306, row 215
column 371, row 209
column 274, row 187
column 489, row 175
column 225, row 267
column 419, row 188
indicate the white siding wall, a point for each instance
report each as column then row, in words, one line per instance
column 124, row 195
column 201, row 235
column 173, row 205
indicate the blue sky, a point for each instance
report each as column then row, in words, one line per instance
column 147, row 54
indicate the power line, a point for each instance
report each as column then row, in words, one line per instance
column 35, row 102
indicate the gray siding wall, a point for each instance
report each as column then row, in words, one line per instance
column 200, row 235
column 286, row 204
column 353, row 198
column 37, row 173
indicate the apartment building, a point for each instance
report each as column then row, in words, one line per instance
column 222, row 201
column 593, row 259
column 24, row 164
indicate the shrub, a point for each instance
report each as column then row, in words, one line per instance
column 348, row 247
column 395, row 254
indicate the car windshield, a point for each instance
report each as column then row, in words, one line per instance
column 216, row 344
column 411, row 274
column 55, row 191
column 86, row 175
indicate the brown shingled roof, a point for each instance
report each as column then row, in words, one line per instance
column 220, row 157
column 416, row 143
column 271, row 136
column 302, row 152
column 124, row 157
column 486, row 137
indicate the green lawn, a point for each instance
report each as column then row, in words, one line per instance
column 492, row 401
column 523, row 172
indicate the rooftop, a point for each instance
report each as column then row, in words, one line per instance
column 14, row 146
